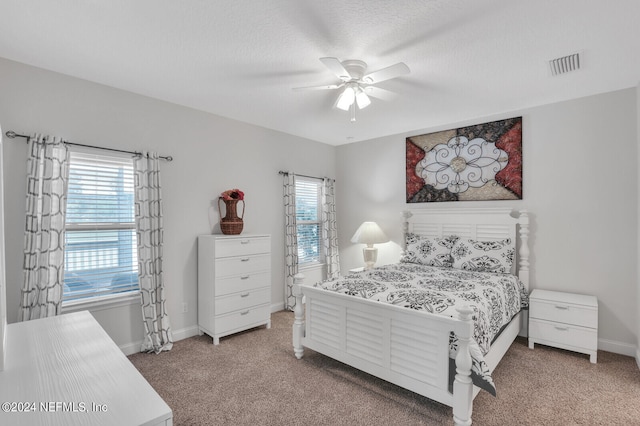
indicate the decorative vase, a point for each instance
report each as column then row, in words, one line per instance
column 231, row 224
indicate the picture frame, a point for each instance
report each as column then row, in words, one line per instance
column 473, row 163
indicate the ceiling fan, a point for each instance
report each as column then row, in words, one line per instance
column 357, row 85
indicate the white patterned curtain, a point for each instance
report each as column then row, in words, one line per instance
column 290, row 239
column 47, row 174
column 148, row 202
column 330, row 228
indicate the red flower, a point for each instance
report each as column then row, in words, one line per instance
column 232, row 194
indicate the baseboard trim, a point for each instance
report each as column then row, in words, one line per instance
column 618, row 348
column 277, row 307
column 131, row 348
column 183, row 333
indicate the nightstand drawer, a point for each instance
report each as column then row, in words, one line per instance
column 238, row 301
column 228, row 247
column 562, row 334
column 566, row 313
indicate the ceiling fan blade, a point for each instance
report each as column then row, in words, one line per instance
column 387, row 73
column 326, row 87
column 335, row 66
column 376, row 92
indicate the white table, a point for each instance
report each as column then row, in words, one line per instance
column 67, row 371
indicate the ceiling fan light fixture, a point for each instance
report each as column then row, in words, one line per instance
column 362, row 99
column 356, row 83
column 346, row 98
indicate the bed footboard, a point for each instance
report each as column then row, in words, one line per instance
column 405, row 347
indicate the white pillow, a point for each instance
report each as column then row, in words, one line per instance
column 483, row 256
column 431, row 251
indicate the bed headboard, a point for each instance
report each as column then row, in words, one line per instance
column 484, row 224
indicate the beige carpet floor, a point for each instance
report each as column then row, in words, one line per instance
column 253, row 378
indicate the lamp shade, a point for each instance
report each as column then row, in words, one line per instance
column 369, row 233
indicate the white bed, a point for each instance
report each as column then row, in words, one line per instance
column 407, row 347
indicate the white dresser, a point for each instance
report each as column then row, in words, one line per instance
column 234, row 283
column 67, row 371
column 564, row 320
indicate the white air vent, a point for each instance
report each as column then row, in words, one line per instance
column 565, row 64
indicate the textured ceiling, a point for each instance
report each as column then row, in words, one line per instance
column 240, row 59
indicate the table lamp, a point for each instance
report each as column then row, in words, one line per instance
column 369, row 233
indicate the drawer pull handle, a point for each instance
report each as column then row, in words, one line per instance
column 561, row 328
column 564, row 308
column 244, row 277
column 244, row 313
column 244, row 259
column 245, row 242
column 244, row 295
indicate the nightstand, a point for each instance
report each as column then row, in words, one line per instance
column 564, row 320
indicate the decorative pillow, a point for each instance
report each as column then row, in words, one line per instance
column 483, row 256
column 431, row 251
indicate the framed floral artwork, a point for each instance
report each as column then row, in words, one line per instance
column 479, row 162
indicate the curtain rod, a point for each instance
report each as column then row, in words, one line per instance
column 282, row 172
column 12, row 135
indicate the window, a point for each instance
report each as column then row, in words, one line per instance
column 309, row 220
column 100, row 241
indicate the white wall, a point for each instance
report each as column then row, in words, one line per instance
column 211, row 154
column 580, row 186
column 580, row 177
column 638, row 243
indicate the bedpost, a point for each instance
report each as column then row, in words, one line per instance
column 462, row 385
column 523, row 270
column 406, row 214
column 298, row 322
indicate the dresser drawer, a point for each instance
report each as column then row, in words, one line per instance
column 562, row 334
column 243, row 300
column 245, row 282
column 228, row 247
column 565, row 313
column 240, row 320
column 242, row 265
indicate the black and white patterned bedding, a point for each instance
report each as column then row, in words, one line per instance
column 494, row 298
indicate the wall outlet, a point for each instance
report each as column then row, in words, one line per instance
column 185, row 307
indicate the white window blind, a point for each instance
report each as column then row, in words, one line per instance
column 308, row 219
column 101, row 256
